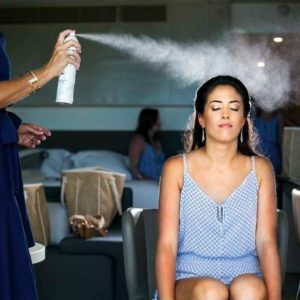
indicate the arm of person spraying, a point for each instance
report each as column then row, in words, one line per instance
column 14, row 90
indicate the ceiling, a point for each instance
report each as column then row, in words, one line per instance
column 39, row 3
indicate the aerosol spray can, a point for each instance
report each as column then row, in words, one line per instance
column 66, row 81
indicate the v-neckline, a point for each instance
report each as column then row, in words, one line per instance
column 226, row 198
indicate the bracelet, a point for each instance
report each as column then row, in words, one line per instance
column 31, row 78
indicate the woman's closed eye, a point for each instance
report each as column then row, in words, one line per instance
column 235, row 108
column 232, row 107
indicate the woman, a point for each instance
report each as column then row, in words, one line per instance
column 145, row 151
column 217, row 210
column 16, row 273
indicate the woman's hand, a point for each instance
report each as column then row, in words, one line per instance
column 31, row 135
column 61, row 56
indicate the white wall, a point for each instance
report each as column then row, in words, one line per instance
column 99, row 118
column 30, row 45
column 130, row 86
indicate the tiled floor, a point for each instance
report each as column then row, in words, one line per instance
column 290, row 286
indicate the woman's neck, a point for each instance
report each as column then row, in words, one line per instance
column 221, row 153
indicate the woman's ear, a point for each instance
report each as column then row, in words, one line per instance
column 201, row 120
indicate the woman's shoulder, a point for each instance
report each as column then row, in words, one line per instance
column 263, row 166
column 195, row 157
column 174, row 163
column 173, row 169
column 137, row 138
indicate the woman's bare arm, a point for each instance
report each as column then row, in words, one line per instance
column 266, row 237
column 168, row 226
column 136, row 148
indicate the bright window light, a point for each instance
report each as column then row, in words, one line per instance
column 261, row 64
column 278, row 39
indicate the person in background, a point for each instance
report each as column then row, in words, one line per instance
column 16, row 273
column 145, row 152
column 268, row 126
column 217, row 215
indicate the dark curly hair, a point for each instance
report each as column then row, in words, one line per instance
column 192, row 136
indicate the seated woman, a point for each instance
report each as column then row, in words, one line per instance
column 217, row 206
column 145, row 151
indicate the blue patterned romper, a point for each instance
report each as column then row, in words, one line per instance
column 217, row 240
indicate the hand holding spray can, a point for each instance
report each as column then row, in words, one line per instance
column 66, row 81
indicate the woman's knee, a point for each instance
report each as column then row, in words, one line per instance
column 209, row 289
column 248, row 287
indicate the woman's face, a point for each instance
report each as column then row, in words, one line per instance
column 223, row 116
column 156, row 126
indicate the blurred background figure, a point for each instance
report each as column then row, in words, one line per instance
column 145, row 152
column 268, row 126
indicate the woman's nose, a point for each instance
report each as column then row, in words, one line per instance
column 225, row 114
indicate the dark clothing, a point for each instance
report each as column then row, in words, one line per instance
column 269, row 144
column 5, row 69
column 16, row 273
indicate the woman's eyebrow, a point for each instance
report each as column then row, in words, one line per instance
column 219, row 101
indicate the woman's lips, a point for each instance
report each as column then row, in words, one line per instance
column 225, row 125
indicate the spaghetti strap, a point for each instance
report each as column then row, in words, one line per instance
column 253, row 163
column 185, row 163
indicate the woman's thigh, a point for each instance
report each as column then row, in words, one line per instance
column 248, row 287
column 202, row 288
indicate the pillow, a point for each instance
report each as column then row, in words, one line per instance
column 57, row 161
column 110, row 160
column 59, row 222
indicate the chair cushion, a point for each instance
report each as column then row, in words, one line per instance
column 110, row 244
column 59, row 224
